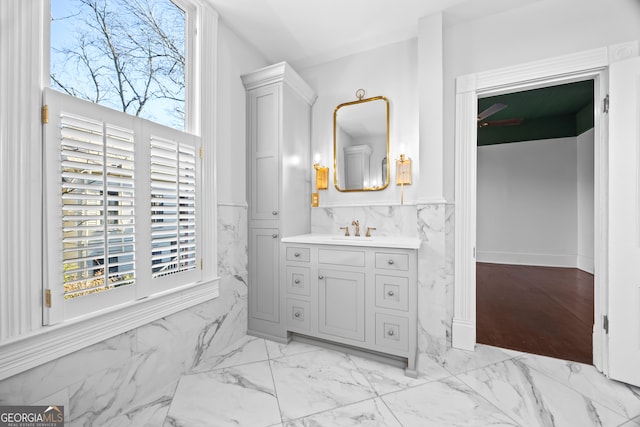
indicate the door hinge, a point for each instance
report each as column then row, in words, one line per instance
column 201, row 150
column 47, row 298
column 605, row 323
column 44, row 115
column 605, row 104
column 201, row 264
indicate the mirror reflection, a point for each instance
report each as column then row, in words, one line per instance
column 361, row 145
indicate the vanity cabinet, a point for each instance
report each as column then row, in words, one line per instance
column 278, row 188
column 364, row 297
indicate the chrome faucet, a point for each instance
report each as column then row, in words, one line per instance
column 357, row 224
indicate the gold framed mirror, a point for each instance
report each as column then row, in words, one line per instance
column 361, row 145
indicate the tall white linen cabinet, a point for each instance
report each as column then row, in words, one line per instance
column 278, row 184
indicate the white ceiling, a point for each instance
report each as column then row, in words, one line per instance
column 308, row 32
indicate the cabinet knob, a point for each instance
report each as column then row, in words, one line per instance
column 390, row 293
column 274, row 213
column 297, row 255
column 296, row 281
column 321, row 277
column 274, row 235
column 390, row 332
column 390, row 262
column 296, row 314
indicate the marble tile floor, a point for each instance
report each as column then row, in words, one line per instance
column 261, row 383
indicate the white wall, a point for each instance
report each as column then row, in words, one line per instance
column 235, row 58
column 535, row 202
column 544, row 29
column 585, row 175
column 390, row 71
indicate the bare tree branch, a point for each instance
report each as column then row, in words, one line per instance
column 127, row 53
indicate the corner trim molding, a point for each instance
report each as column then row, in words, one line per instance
column 51, row 342
column 463, row 335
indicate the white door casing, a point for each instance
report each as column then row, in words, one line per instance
column 624, row 221
column 559, row 70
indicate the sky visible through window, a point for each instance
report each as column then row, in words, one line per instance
column 125, row 54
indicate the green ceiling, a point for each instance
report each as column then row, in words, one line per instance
column 550, row 112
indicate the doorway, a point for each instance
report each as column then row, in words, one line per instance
column 553, row 71
column 535, row 220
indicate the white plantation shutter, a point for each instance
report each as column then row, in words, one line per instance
column 120, row 167
column 97, row 213
column 173, row 205
column 101, row 231
column 83, row 215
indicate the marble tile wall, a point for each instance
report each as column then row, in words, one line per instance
column 388, row 220
column 433, row 224
column 130, row 379
column 435, row 276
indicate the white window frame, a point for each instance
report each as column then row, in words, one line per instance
column 31, row 348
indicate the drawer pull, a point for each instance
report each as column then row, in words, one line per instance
column 274, row 235
column 390, row 332
column 274, row 213
column 390, row 293
column 297, row 281
column 321, row 277
column 390, row 262
column 297, row 314
column 297, row 255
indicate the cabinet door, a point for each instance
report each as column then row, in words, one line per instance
column 264, row 137
column 341, row 305
column 264, row 295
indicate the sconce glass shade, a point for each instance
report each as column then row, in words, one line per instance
column 403, row 170
column 322, row 177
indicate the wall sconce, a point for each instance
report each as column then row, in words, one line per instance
column 322, row 176
column 322, row 183
column 403, row 174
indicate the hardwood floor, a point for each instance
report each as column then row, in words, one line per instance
column 541, row 310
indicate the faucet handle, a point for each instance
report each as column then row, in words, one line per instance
column 369, row 231
column 346, row 230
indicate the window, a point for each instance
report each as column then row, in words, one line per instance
column 129, row 55
column 122, row 177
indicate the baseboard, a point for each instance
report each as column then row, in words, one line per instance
column 586, row 264
column 270, row 337
column 542, row 260
column 520, row 258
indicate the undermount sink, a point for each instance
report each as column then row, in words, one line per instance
column 374, row 241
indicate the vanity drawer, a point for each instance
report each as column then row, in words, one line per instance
column 297, row 280
column 392, row 261
column 392, row 332
column 298, row 254
column 297, row 314
column 341, row 257
column 392, row 292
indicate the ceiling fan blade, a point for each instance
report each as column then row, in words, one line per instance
column 491, row 110
column 505, row 122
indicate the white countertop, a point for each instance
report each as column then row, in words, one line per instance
column 399, row 242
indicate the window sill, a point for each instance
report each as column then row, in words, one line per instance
column 51, row 342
